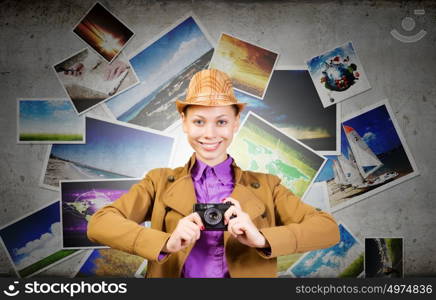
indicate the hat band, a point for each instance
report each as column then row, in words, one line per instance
column 211, row 97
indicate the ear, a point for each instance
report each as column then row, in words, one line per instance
column 184, row 121
column 237, row 123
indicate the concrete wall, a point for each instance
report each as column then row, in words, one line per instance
column 36, row 34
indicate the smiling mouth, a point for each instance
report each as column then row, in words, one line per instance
column 210, row 146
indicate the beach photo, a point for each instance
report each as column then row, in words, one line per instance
column 292, row 104
column 80, row 199
column 259, row 146
column 164, row 67
column 113, row 150
column 345, row 259
column 88, row 80
column 33, row 242
column 49, row 121
column 384, row 257
column 338, row 74
column 104, row 32
column 249, row 66
column 109, row 263
column 374, row 157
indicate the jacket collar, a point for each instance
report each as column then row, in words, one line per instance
column 180, row 195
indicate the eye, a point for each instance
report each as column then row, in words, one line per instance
column 222, row 122
column 198, row 122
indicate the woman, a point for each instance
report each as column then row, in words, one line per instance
column 264, row 221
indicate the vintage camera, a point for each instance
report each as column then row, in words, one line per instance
column 212, row 215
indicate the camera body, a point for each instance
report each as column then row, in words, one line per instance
column 212, row 215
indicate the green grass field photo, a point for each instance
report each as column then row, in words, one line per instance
column 51, row 137
column 33, row 268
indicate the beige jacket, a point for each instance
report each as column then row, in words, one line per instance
column 166, row 195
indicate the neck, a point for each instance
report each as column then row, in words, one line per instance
column 212, row 163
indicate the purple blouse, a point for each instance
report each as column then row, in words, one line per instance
column 212, row 184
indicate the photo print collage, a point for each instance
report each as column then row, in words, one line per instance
column 292, row 128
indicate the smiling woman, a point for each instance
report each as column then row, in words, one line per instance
column 210, row 131
column 263, row 220
column 213, row 117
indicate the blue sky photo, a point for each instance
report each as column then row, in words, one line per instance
column 119, row 149
column 34, row 237
column 325, row 258
column 49, row 116
column 161, row 61
column 376, row 129
column 326, row 172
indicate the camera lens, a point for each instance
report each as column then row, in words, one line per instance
column 212, row 216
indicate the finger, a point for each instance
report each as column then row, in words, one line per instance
column 194, row 232
column 188, row 237
column 192, row 226
column 231, row 211
column 195, row 228
column 230, row 230
column 106, row 74
column 118, row 72
column 195, row 217
column 113, row 73
column 236, row 226
column 185, row 228
column 234, row 201
column 78, row 67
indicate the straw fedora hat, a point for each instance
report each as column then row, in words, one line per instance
column 210, row 88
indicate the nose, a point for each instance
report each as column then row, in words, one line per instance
column 210, row 131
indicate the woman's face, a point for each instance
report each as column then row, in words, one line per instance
column 210, row 131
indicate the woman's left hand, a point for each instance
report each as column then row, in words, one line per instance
column 241, row 227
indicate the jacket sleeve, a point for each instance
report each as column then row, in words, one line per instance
column 117, row 225
column 300, row 227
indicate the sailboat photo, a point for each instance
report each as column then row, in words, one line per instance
column 374, row 157
column 362, row 162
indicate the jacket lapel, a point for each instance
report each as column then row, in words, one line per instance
column 248, row 200
column 250, row 204
column 180, row 196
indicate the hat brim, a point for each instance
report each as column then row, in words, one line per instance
column 182, row 104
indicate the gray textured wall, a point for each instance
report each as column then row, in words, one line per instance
column 36, row 34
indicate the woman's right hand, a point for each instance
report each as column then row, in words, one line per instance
column 186, row 233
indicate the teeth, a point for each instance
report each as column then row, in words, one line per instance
column 210, row 145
